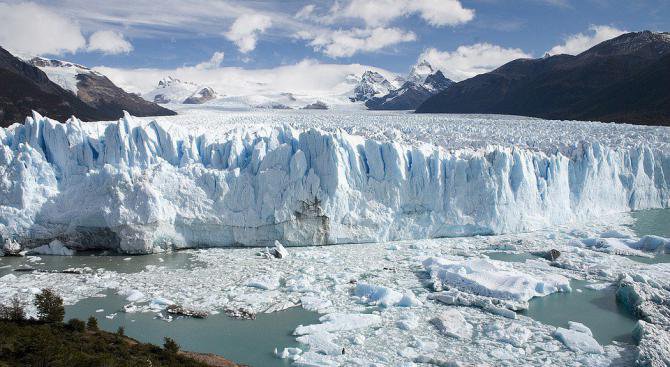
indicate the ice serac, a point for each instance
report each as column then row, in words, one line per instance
column 140, row 187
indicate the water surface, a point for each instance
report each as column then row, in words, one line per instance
column 249, row 342
column 596, row 309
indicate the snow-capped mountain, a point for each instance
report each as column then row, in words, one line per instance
column 61, row 89
column 201, row 96
column 173, row 90
column 420, row 72
column 63, row 73
column 423, row 82
column 372, row 84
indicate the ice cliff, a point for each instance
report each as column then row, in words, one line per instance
column 139, row 187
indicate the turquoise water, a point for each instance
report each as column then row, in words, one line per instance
column 596, row 309
column 118, row 263
column 250, row 342
column 652, row 222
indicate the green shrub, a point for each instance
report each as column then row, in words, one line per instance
column 76, row 325
column 171, row 346
column 92, row 324
column 49, row 306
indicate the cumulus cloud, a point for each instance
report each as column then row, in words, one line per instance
column 435, row 12
column 468, row 61
column 30, row 28
column 245, row 30
column 580, row 42
column 109, row 42
column 346, row 43
column 214, row 62
column 307, row 78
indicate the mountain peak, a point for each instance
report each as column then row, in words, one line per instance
column 420, row 72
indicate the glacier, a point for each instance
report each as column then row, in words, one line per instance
column 142, row 186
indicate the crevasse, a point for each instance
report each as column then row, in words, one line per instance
column 138, row 187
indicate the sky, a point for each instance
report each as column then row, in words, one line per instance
column 461, row 37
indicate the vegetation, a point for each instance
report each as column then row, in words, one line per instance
column 35, row 343
column 48, row 342
column 13, row 312
column 171, row 346
column 92, row 324
column 49, row 306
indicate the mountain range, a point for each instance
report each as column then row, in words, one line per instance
column 625, row 79
column 60, row 90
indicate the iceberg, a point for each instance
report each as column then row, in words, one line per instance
column 138, row 186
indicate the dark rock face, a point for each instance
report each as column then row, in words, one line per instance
column 99, row 92
column 407, row 97
column 26, row 88
column 412, row 93
column 624, row 79
column 318, row 105
column 201, row 96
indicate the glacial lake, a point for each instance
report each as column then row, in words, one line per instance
column 652, row 222
column 597, row 309
column 248, row 342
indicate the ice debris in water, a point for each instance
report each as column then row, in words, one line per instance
column 55, row 247
column 578, row 338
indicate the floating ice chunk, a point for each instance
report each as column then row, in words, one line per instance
column 339, row 322
column 314, row 303
column 111, row 316
column 10, row 247
column 511, row 333
column 452, row 323
column 321, row 342
column 279, row 251
column 313, row 359
column 653, row 244
column 616, row 246
column 55, row 247
column 578, row 341
column 267, row 282
column 99, row 310
column 598, row 286
column 578, row 326
column 133, row 295
column 385, row 296
column 483, row 277
column 290, row 353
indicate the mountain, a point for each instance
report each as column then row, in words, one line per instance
column 96, row 90
column 26, row 88
column 624, row 79
column 173, row 90
column 422, row 83
column 372, row 84
column 407, row 97
column 201, row 96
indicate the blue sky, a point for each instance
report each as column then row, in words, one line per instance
column 391, row 34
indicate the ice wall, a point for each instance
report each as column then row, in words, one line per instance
column 139, row 187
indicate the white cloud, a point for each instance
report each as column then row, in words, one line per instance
column 213, row 63
column 468, row 61
column 109, row 42
column 245, row 30
column 306, row 12
column 307, row 78
column 346, row 43
column 436, row 12
column 30, row 28
column 580, row 42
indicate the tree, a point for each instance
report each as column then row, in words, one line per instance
column 49, row 306
column 13, row 312
column 170, row 345
column 121, row 331
column 92, row 324
column 76, row 325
